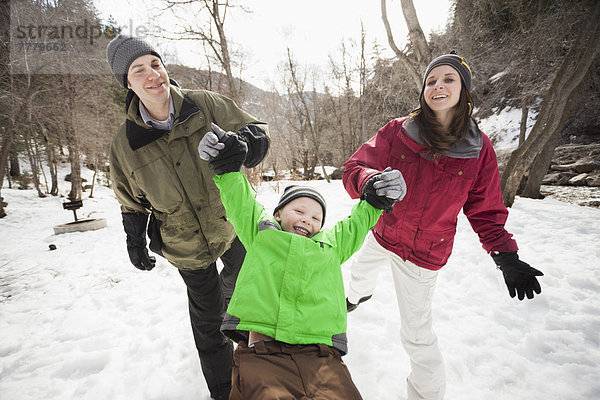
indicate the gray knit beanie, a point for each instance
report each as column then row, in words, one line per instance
column 122, row 51
column 294, row 191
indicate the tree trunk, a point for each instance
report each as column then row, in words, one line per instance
column 542, row 161
column 52, row 163
column 305, row 164
column 417, row 37
column 93, row 182
column 556, row 104
column 363, row 85
column 38, row 158
column 29, row 145
column 72, row 142
column 75, row 160
column 6, row 143
column 15, row 167
column 225, row 58
column 536, row 173
column 8, row 131
column 5, row 150
column 523, row 125
column 33, row 163
column 412, row 71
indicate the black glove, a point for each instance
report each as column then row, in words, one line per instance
column 233, row 154
column 519, row 276
column 135, row 228
column 384, row 189
column 258, row 144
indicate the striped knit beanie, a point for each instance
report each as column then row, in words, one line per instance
column 294, row 191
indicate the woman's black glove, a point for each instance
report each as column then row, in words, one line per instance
column 384, row 189
column 519, row 276
column 135, row 228
column 226, row 155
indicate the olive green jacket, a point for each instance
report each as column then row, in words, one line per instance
column 160, row 171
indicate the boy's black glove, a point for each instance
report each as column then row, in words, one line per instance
column 135, row 228
column 519, row 276
column 384, row 189
column 225, row 155
column 258, row 144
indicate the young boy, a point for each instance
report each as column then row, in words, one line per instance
column 289, row 301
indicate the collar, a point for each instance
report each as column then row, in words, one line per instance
column 469, row 147
column 139, row 134
column 167, row 124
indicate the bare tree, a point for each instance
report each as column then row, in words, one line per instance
column 306, row 111
column 16, row 94
column 417, row 38
column 204, row 20
column 556, row 108
column 362, row 84
column 342, row 105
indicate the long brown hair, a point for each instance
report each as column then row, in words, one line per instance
column 438, row 139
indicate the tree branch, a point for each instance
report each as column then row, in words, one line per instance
column 399, row 54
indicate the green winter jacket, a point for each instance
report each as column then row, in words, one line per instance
column 160, row 171
column 290, row 287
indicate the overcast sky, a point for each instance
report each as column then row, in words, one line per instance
column 312, row 29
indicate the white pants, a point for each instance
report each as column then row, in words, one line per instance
column 414, row 290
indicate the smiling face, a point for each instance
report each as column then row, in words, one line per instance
column 442, row 90
column 148, row 78
column 302, row 216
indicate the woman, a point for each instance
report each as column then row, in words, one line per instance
column 448, row 165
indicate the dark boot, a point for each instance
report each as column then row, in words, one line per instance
column 351, row 307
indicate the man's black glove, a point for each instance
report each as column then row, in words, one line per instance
column 384, row 189
column 519, row 276
column 258, row 144
column 230, row 152
column 135, row 228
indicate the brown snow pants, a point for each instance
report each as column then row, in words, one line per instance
column 279, row 371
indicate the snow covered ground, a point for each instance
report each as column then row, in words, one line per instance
column 503, row 127
column 81, row 323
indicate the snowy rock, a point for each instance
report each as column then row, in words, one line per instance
column 561, row 167
column 565, row 178
column 337, row 174
column 571, row 161
column 551, row 178
column 571, row 153
column 586, row 164
column 578, row 180
column 593, row 179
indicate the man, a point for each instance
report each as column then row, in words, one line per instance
column 156, row 171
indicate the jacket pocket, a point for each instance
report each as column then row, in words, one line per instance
column 434, row 247
column 182, row 242
column 457, row 177
column 160, row 183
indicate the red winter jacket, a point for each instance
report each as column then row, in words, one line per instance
column 422, row 226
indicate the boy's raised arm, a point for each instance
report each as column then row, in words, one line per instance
column 225, row 153
column 239, row 199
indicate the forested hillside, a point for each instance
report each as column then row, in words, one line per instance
column 517, row 50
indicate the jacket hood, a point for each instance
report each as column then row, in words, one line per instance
column 469, row 147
